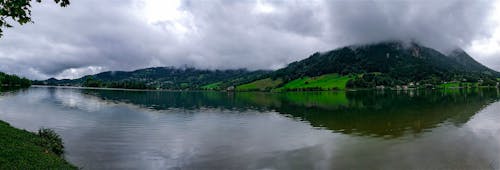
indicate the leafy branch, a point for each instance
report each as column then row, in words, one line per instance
column 19, row 11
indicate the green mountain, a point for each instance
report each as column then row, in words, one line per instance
column 163, row 78
column 413, row 62
column 387, row 64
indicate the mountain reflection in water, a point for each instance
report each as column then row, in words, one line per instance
column 112, row 129
column 372, row 113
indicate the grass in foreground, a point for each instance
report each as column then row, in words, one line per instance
column 260, row 85
column 20, row 149
column 323, row 82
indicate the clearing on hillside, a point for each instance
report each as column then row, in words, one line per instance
column 260, row 85
column 323, row 82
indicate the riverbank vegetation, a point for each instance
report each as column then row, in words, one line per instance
column 7, row 80
column 20, row 149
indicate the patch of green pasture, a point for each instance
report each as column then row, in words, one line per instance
column 212, row 86
column 323, row 82
column 458, row 85
column 263, row 84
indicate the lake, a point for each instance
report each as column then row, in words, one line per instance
column 115, row 129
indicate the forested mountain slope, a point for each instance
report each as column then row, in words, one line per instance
column 389, row 64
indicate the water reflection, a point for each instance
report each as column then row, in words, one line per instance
column 104, row 129
column 373, row 113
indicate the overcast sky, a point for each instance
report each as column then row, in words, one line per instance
column 91, row 36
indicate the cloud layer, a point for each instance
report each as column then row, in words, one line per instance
column 92, row 36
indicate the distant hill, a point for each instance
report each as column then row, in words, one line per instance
column 162, row 78
column 387, row 64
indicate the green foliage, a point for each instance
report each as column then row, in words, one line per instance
column 126, row 85
column 20, row 149
column 13, row 81
column 92, row 82
column 323, row 82
column 488, row 82
column 383, row 64
column 19, row 11
column 449, row 85
column 212, row 86
column 390, row 64
column 51, row 140
column 370, row 80
column 260, row 85
column 162, row 78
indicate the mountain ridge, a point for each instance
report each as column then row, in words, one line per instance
column 160, row 78
column 391, row 63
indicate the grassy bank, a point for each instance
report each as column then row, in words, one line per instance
column 20, row 149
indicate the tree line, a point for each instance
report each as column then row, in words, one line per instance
column 92, row 82
column 7, row 80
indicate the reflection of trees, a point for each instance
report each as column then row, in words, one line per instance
column 161, row 100
column 389, row 113
column 11, row 90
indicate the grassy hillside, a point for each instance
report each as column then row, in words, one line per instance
column 323, row 82
column 20, row 149
column 213, row 86
column 262, row 85
column 458, row 85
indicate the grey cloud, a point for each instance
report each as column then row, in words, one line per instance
column 110, row 35
column 439, row 24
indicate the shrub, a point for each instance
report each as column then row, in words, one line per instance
column 51, row 141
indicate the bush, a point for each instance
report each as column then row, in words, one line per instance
column 51, row 141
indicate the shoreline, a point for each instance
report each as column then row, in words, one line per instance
column 22, row 149
column 269, row 91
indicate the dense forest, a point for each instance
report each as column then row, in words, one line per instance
column 10, row 81
column 162, row 78
column 391, row 64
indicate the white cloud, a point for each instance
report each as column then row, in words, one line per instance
column 73, row 73
column 487, row 50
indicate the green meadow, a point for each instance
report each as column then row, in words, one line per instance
column 260, row 85
column 213, row 86
column 323, row 82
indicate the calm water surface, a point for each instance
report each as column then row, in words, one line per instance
column 106, row 129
